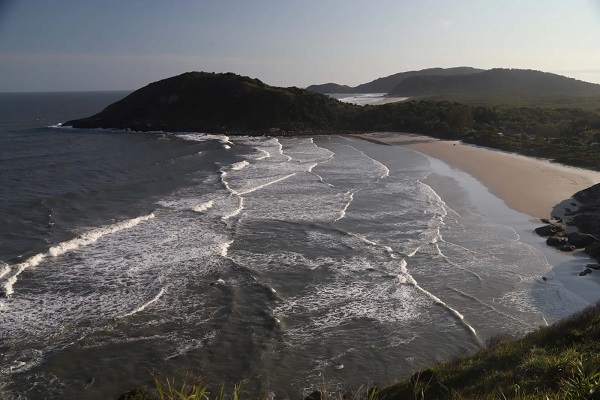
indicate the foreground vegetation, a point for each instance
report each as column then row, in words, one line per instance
column 561, row 361
column 557, row 362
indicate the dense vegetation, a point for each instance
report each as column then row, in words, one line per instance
column 515, row 82
column 566, row 135
column 208, row 102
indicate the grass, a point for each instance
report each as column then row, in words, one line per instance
column 168, row 389
column 557, row 362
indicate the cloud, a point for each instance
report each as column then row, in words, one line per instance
column 446, row 23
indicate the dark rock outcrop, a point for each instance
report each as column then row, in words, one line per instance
column 556, row 241
column 566, row 248
column 580, row 240
column 593, row 250
column 585, row 217
column 549, row 230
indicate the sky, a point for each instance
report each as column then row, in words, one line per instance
column 67, row 45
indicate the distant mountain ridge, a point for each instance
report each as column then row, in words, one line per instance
column 388, row 83
column 495, row 81
column 469, row 81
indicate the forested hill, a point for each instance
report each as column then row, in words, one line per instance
column 516, row 82
column 387, row 84
column 211, row 102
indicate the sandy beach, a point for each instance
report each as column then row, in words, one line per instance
column 528, row 185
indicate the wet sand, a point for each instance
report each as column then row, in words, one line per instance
column 528, row 185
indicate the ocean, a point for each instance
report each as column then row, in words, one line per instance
column 286, row 264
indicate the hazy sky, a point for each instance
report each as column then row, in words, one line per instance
column 52, row 45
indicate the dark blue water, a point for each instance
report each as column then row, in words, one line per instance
column 279, row 262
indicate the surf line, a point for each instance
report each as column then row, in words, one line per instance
column 64, row 247
column 350, row 196
column 281, row 150
column 204, row 206
column 386, row 170
column 312, row 166
column 406, row 278
column 147, row 304
column 237, row 211
column 263, row 185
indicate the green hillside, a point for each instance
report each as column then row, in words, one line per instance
column 515, row 82
column 386, row 84
column 209, row 102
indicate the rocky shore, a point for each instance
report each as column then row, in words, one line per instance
column 575, row 226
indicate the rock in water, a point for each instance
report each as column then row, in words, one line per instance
column 547, row 230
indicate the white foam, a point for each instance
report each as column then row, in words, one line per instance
column 203, row 137
column 147, row 304
column 83, row 240
column 385, row 170
column 93, row 235
column 204, row 206
column 235, row 212
column 349, row 196
column 280, row 145
column 226, row 183
column 264, row 185
column 224, row 248
column 240, row 165
column 406, row 278
column 266, row 154
column 4, row 269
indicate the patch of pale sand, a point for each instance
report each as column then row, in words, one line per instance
column 387, row 100
column 529, row 185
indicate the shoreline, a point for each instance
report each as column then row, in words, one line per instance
column 527, row 185
column 514, row 202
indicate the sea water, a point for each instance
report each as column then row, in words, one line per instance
column 283, row 263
